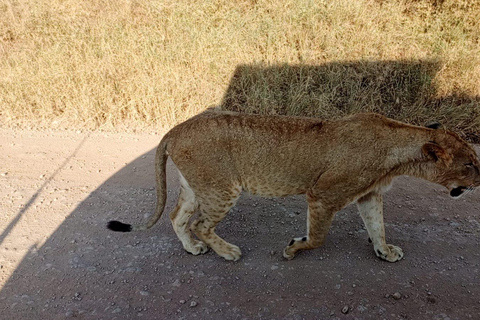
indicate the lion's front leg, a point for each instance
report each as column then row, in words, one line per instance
column 370, row 207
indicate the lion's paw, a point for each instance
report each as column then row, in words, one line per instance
column 288, row 253
column 199, row 247
column 230, row 252
column 393, row 254
column 293, row 247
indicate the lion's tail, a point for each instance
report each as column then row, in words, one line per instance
column 161, row 157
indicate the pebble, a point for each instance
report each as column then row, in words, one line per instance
column 397, row 296
column 3, row 174
column 193, row 304
column 345, row 310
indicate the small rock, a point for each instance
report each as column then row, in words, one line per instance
column 182, row 301
column 397, row 296
column 362, row 309
column 3, row 174
column 193, row 304
column 345, row 310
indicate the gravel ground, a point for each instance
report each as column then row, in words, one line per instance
column 57, row 260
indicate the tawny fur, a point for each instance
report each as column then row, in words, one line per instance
column 220, row 154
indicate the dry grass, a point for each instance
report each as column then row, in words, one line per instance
column 143, row 64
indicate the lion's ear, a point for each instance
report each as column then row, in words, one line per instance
column 436, row 152
column 434, row 125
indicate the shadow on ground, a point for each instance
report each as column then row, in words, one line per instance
column 85, row 271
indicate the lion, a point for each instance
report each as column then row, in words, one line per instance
column 334, row 163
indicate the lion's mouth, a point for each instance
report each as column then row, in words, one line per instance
column 460, row 191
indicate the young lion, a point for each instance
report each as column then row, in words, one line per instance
column 220, row 154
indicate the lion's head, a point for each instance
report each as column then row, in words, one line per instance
column 456, row 162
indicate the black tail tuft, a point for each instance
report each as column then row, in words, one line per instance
column 119, row 226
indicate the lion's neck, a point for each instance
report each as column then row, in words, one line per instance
column 418, row 169
column 408, row 158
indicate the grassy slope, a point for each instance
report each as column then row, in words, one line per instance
column 108, row 64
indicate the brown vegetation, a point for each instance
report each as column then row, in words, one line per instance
column 115, row 64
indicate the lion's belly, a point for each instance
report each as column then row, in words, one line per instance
column 273, row 186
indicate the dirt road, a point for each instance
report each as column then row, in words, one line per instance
column 57, row 260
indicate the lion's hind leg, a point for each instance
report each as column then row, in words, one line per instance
column 319, row 219
column 180, row 217
column 213, row 208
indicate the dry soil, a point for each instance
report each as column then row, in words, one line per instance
column 57, row 260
